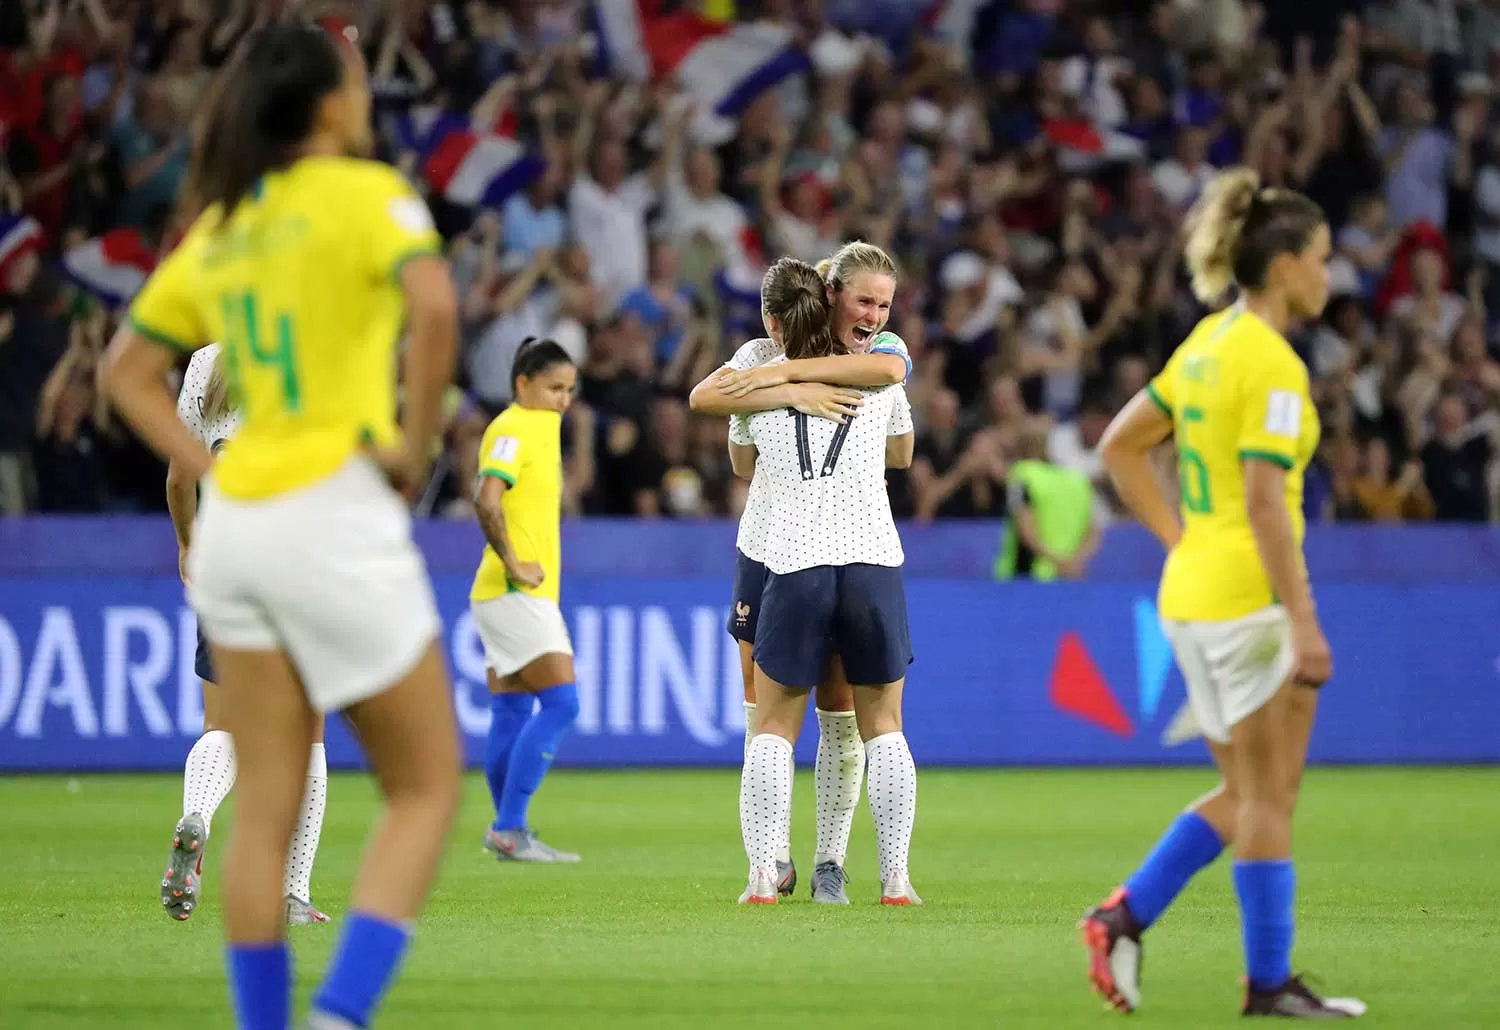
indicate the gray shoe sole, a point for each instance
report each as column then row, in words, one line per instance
column 179, row 884
column 829, row 898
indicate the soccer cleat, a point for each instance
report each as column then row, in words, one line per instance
column 1113, row 939
column 180, row 883
column 1295, row 1000
column 324, row 1021
column 523, row 846
column 302, row 913
column 828, row 884
column 899, row 892
column 786, row 877
column 761, row 890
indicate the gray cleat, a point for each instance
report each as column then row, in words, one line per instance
column 302, row 913
column 786, row 877
column 323, row 1021
column 179, row 884
column 829, row 879
column 523, row 846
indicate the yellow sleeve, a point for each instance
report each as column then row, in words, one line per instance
column 1273, row 402
column 164, row 311
column 500, row 451
column 398, row 226
column 1162, row 389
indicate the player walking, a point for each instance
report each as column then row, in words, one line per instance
column 305, row 264
column 1235, row 601
column 533, row 699
column 861, row 285
column 203, row 406
column 833, row 587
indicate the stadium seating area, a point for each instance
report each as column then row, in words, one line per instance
column 614, row 175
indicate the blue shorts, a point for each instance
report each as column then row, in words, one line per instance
column 855, row 611
column 749, row 584
column 203, row 660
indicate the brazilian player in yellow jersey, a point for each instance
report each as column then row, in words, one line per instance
column 529, row 656
column 304, row 263
column 1235, row 601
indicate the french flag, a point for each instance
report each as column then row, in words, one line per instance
column 112, row 267
column 723, row 66
column 479, row 169
column 18, row 234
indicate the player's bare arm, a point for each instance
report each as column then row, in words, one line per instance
column 431, row 350
column 899, row 450
column 816, row 399
column 1126, row 449
column 136, row 370
column 863, row 370
column 742, row 459
column 491, row 515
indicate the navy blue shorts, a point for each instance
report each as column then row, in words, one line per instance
column 855, row 611
column 749, row 584
column 203, row 660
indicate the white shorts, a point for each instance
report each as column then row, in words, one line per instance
column 1232, row 668
column 327, row 573
column 517, row 629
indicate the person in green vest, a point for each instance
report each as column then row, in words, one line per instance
column 1050, row 533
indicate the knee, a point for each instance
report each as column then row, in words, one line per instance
column 834, row 697
column 561, row 703
column 878, row 724
column 1266, row 806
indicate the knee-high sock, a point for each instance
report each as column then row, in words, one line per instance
column 893, row 802
column 784, row 851
column 1189, row 845
column 208, row 775
column 765, row 799
column 839, row 773
column 534, row 750
column 509, row 714
column 304, row 850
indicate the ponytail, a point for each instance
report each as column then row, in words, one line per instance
column 795, row 295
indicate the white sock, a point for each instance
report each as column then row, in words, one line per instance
column 208, row 775
column 304, row 850
column 765, row 798
column 839, row 774
column 893, row 802
column 784, row 852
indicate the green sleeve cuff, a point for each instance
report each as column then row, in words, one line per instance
column 1166, row 409
column 158, row 337
column 1271, row 456
column 407, row 257
column 510, row 480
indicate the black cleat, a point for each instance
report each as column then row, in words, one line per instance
column 1295, row 1000
column 1113, row 939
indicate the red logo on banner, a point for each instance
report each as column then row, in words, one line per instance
column 1079, row 689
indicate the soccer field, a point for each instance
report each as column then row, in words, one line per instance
column 1399, row 902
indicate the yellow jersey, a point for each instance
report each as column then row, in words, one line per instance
column 301, row 286
column 1235, row 390
column 523, row 446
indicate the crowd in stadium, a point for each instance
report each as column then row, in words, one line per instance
column 1028, row 162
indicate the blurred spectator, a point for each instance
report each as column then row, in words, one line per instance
column 1385, row 496
column 1455, row 464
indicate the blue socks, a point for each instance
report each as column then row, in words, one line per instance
column 531, row 755
column 1190, row 844
column 1267, row 890
column 260, row 980
column 370, row 949
column 509, row 714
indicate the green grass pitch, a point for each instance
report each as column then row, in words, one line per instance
column 1399, row 904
